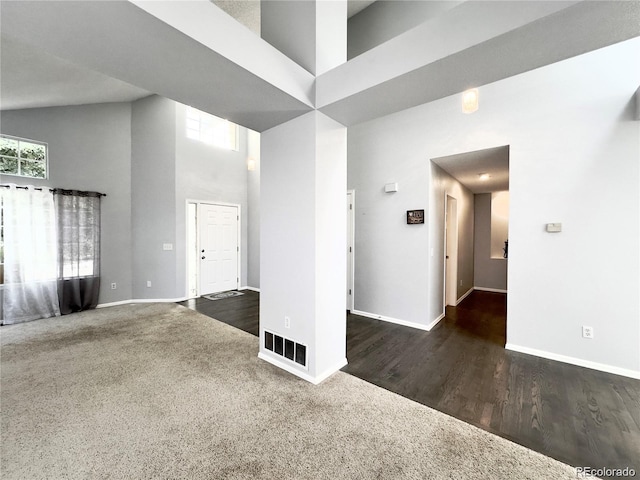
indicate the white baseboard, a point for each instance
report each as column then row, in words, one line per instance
column 575, row 361
column 469, row 292
column 142, row 300
column 486, row 289
column 330, row 371
column 435, row 322
column 392, row 320
column 113, row 304
column 301, row 373
column 253, row 289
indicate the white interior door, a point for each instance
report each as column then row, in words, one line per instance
column 218, row 225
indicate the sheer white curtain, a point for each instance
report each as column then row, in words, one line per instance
column 30, row 256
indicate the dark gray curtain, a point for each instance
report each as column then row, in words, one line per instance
column 78, row 228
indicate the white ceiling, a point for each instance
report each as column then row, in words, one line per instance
column 247, row 12
column 32, row 78
column 84, row 33
column 466, row 168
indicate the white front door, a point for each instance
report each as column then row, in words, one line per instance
column 218, row 248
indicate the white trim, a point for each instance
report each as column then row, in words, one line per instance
column 351, row 216
column 267, row 357
column 330, row 371
column 253, row 289
column 142, row 300
column 406, row 323
column 486, row 289
column 603, row 367
column 114, row 304
column 435, row 322
column 239, row 245
column 159, row 300
column 186, row 250
column 469, row 292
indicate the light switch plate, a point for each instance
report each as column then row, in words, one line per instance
column 554, row 227
column 167, row 246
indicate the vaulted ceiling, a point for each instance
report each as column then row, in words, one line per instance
column 194, row 52
column 137, row 47
column 32, row 77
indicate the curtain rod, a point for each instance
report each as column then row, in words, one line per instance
column 80, row 192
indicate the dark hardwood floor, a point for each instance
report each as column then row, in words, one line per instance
column 576, row 415
column 242, row 312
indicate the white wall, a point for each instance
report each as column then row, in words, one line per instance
column 89, row 149
column 208, row 173
column 138, row 154
column 253, row 200
column 489, row 272
column 499, row 223
column 153, row 194
column 574, row 154
column 393, row 260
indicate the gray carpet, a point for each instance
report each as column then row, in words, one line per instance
column 160, row 391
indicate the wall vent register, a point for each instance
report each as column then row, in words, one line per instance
column 286, row 348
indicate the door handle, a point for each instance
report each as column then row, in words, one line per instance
column 203, row 257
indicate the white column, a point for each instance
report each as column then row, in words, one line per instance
column 311, row 33
column 302, row 239
column 303, row 181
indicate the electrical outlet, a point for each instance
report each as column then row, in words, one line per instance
column 148, row 283
column 114, row 286
column 587, row 332
column 287, row 322
column 460, row 282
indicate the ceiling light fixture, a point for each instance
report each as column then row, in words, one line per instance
column 483, row 177
column 470, row 100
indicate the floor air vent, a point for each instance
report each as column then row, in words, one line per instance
column 286, row 348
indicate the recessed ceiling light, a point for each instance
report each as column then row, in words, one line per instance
column 470, row 100
column 484, row 177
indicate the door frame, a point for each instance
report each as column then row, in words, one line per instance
column 239, row 263
column 446, row 239
column 351, row 241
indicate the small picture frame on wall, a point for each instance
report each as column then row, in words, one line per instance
column 415, row 216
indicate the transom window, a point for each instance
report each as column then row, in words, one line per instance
column 211, row 129
column 24, row 158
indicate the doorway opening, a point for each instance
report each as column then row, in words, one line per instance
column 213, row 248
column 473, row 217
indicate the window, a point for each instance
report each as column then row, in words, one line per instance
column 211, row 129
column 25, row 158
